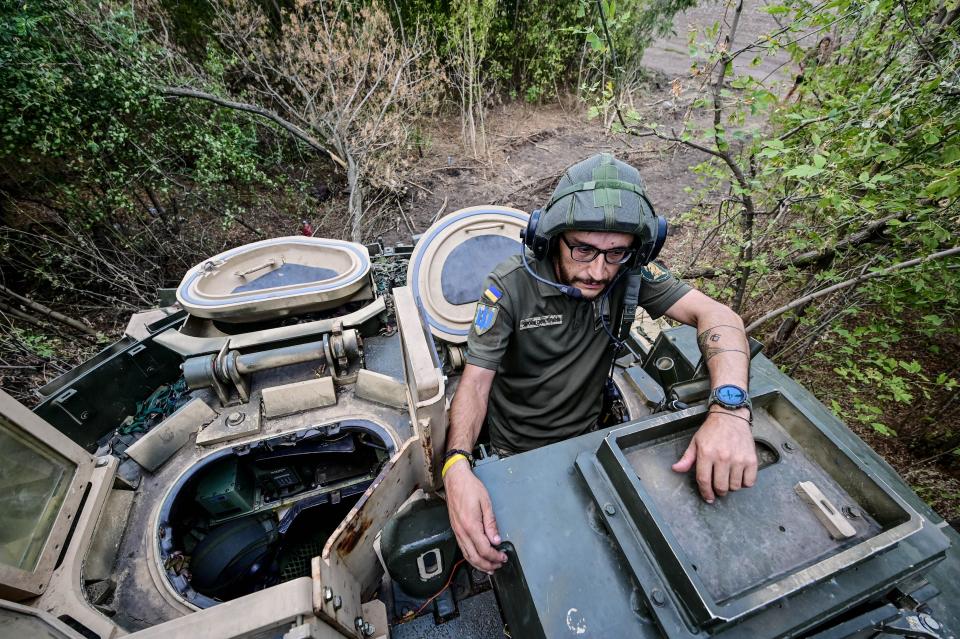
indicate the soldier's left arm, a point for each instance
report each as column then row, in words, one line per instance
column 722, row 449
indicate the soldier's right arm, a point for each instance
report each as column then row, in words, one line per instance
column 468, row 502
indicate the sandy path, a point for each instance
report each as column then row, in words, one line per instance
column 671, row 56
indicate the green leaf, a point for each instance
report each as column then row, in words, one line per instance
column 951, row 154
column 803, row 171
column 911, row 367
column 883, row 429
column 819, row 161
column 595, row 43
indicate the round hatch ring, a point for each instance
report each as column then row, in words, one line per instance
column 449, row 264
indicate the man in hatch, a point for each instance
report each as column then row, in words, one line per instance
column 543, row 340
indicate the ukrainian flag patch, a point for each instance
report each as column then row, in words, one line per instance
column 493, row 294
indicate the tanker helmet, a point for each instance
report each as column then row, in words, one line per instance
column 600, row 193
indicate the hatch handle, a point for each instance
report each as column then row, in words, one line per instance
column 484, row 227
column 59, row 403
column 838, row 527
column 430, row 564
column 270, row 263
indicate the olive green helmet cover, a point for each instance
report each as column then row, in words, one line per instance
column 600, row 193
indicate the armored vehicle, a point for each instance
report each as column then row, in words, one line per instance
column 259, row 457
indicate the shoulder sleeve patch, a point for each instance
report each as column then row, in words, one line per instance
column 492, row 294
column 485, row 318
column 655, row 272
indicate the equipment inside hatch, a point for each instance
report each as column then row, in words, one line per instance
column 237, row 523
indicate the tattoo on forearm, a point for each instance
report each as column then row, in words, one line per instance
column 711, row 341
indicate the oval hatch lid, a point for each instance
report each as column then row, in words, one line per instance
column 450, row 262
column 270, row 278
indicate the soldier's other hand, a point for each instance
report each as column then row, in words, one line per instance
column 471, row 517
column 724, row 454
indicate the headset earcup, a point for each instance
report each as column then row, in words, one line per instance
column 540, row 246
column 530, row 232
column 537, row 243
column 661, row 238
column 649, row 252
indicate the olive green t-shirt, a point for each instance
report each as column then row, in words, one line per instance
column 550, row 351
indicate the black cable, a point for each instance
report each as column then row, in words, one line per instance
column 617, row 343
column 570, row 291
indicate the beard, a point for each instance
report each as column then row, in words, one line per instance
column 570, row 279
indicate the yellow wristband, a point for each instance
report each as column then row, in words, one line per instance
column 450, row 462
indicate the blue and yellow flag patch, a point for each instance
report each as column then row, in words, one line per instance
column 493, row 294
column 484, row 318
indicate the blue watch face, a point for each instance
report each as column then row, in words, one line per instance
column 733, row 395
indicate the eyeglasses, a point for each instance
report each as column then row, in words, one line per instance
column 587, row 253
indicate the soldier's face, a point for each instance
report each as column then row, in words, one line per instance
column 589, row 277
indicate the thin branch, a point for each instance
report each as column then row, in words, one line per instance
column 440, row 211
column 805, row 124
column 913, row 32
column 864, row 236
column 294, row 130
column 49, row 312
column 848, row 283
column 613, row 62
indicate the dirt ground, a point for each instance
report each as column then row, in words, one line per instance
column 528, row 149
column 671, row 55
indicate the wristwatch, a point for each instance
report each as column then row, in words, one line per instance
column 730, row 397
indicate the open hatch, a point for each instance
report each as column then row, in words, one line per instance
column 276, row 277
column 43, row 479
column 249, row 517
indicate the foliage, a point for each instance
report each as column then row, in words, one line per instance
column 852, row 169
column 99, row 172
column 345, row 73
column 535, row 49
column 468, row 34
column 873, row 135
column 529, row 50
column 617, row 34
column 81, row 120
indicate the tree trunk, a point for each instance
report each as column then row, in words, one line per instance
column 355, row 202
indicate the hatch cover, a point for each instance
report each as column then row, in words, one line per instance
column 275, row 277
column 451, row 261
